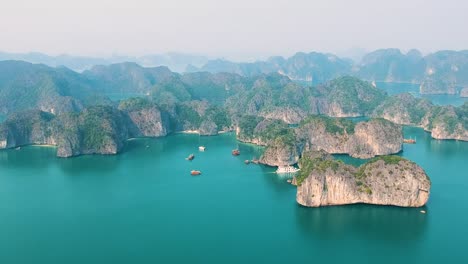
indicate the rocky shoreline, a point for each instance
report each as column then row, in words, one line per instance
column 386, row 180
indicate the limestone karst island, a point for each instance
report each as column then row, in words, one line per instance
column 233, row 131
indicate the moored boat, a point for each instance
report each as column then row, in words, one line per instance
column 247, row 162
column 235, row 152
column 286, row 169
column 190, row 157
column 195, row 172
column 409, row 141
column 201, row 148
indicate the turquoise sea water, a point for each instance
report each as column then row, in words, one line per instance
column 439, row 99
column 142, row 206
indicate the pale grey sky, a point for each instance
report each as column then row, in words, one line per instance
column 230, row 28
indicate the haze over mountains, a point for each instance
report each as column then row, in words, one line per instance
column 175, row 61
column 442, row 72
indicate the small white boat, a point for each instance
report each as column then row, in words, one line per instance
column 201, row 148
column 286, row 169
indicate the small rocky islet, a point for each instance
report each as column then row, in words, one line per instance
column 384, row 180
column 270, row 110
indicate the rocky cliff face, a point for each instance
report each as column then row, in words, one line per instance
column 403, row 109
column 435, row 84
column 148, row 122
column 388, row 180
column 208, row 128
column 25, row 86
column 444, row 122
column 284, row 144
column 280, row 153
column 288, row 115
column 96, row 130
column 363, row 140
column 464, row 92
column 447, row 122
column 30, row 127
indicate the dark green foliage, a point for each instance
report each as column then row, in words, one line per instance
column 449, row 117
column 277, row 129
column 25, row 86
column 462, row 112
column 354, row 95
column 185, row 113
column 135, row 104
column 389, row 159
column 332, row 125
column 219, row 116
column 173, row 91
column 96, row 126
column 308, row 165
column 406, row 104
column 451, row 123
column 247, row 125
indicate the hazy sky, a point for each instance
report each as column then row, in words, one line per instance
column 234, row 27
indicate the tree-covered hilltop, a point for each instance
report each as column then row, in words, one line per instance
column 103, row 129
column 349, row 96
column 127, row 78
column 364, row 139
column 444, row 122
column 275, row 96
column 25, row 86
column 285, row 143
column 262, row 131
column 95, row 130
column 165, row 86
column 403, row 109
column 447, row 122
column 332, row 125
column 260, row 108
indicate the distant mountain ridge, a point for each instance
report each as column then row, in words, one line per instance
column 312, row 67
column 442, row 72
column 175, row 61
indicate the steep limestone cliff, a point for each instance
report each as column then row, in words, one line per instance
column 464, row 92
column 30, row 127
column 145, row 118
column 96, row 130
column 387, row 180
column 444, row 122
column 341, row 136
column 280, row 153
column 447, row 122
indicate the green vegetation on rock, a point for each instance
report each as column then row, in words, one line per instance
column 332, row 125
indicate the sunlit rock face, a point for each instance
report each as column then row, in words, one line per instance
column 397, row 182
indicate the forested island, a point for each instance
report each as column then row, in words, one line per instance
column 293, row 121
column 71, row 111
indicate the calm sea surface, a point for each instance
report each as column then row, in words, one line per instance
column 439, row 99
column 142, row 206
